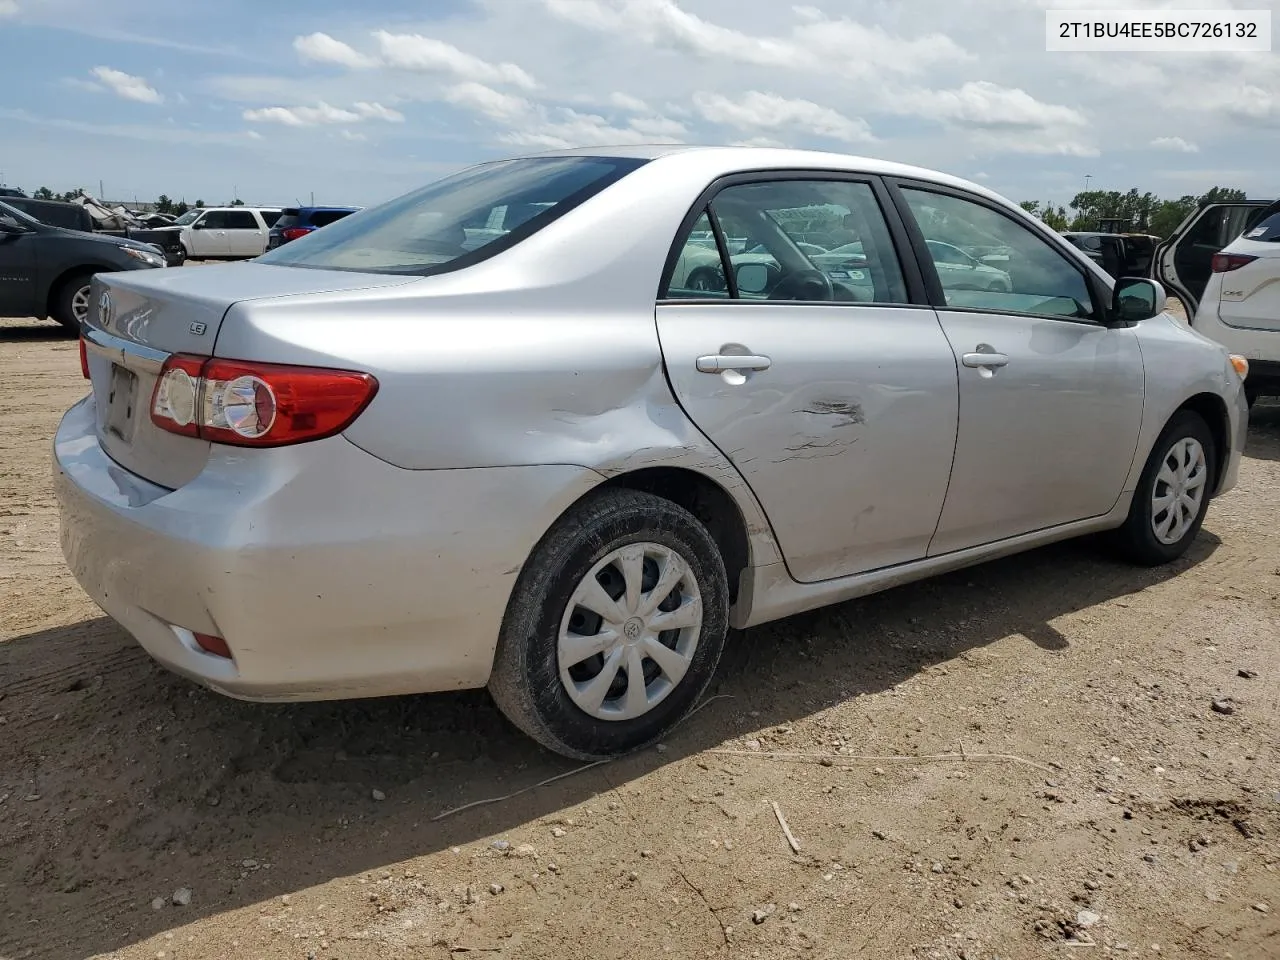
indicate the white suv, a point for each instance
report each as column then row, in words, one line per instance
column 1223, row 262
column 223, row 233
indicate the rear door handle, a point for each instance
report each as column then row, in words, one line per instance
column 985, row 360
column 719, row 363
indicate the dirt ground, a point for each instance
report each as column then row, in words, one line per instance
column 1098, row 805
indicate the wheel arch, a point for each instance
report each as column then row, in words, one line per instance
column 56, row 284
column 707, row 500
column 1213, row 410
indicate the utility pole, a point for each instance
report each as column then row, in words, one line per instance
column 313, row 198
column 101, row 190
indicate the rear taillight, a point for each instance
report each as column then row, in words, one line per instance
column 256, row 404
column 84, row 360
column 293, row 233
column 1226, row 262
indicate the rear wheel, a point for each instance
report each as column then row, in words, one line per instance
column 1172, row 495
column 71, row 301
column 615, row 627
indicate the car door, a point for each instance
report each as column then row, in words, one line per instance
column 1050, row 398
column 17, row 268
column 836, row 402
column 1184, row 262
column 246, row 236
column 208, row 236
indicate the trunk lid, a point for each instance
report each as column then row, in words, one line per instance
column 137, row 319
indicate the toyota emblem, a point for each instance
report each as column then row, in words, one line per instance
column 104, row 309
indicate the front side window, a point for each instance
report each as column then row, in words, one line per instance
column 215, row 220
column 456, row 221
column 1028, row 276
column 769, row 229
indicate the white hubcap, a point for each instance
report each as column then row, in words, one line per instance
column 80, row 303
column 1179, row 490
column 629, row 632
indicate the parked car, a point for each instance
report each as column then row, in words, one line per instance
column 11, row 192
column 46, row 270
column 265, row 490
column 295, row 222
column 1223, row 262
column 219, row 233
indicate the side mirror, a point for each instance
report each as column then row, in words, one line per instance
column 1134, row 299
column 752, row 277
column 200, row 225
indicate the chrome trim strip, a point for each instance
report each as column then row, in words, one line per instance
column 125, row 352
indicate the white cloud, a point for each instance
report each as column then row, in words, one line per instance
column 624, row 101
column 322, row 48
column 1176, row 144
column 8, row 8
column 352, row 136
column 253, row 135
column 323, row 113
column 767, row 111
column 990, row 106
column 757, row 142
column 376, row 111
column 411, row 51
column 126, row 85
column 818, row 45
column 492, row 103
column 302, row 116
column 529, row 124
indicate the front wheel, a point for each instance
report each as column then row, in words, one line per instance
column 1172, row 495
column 71, row 301
column 615, row 627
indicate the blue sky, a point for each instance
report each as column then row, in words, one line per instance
column 273, row 100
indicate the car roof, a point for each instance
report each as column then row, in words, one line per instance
column 734, row 159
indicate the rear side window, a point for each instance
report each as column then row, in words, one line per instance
column 241, row 220
column 768, row 230
column 456, row 221
column 1267, row 229
column 269, row 217
column 322, row 218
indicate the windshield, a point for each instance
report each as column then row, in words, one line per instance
column 188, row 217
column 457, row 221
column 1268, row 227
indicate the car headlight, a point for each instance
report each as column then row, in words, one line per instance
column 146, row 256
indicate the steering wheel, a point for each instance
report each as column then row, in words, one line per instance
column 803, row 285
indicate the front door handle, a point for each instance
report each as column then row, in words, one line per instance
column 985, row 360
column 720, row 363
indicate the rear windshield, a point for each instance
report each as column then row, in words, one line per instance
column 1267, row 228
column 287, row 219
column 457, row 221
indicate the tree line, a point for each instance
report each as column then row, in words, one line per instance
column 1142, row 212
column 163, row 204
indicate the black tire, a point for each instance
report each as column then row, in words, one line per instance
column 1137, row 540
column 63, row 311
column 526, row 683
column 1251, row 395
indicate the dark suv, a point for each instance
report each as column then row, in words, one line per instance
column 45, row 270
column 297, row 222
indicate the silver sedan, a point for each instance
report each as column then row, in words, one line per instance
column 481, row 435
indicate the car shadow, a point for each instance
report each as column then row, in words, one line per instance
column 35, row 331
column 162, row 783
column 1264, row 430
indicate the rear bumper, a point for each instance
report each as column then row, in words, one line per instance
column 329, row 573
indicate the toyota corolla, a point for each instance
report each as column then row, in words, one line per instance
column 412, row 452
